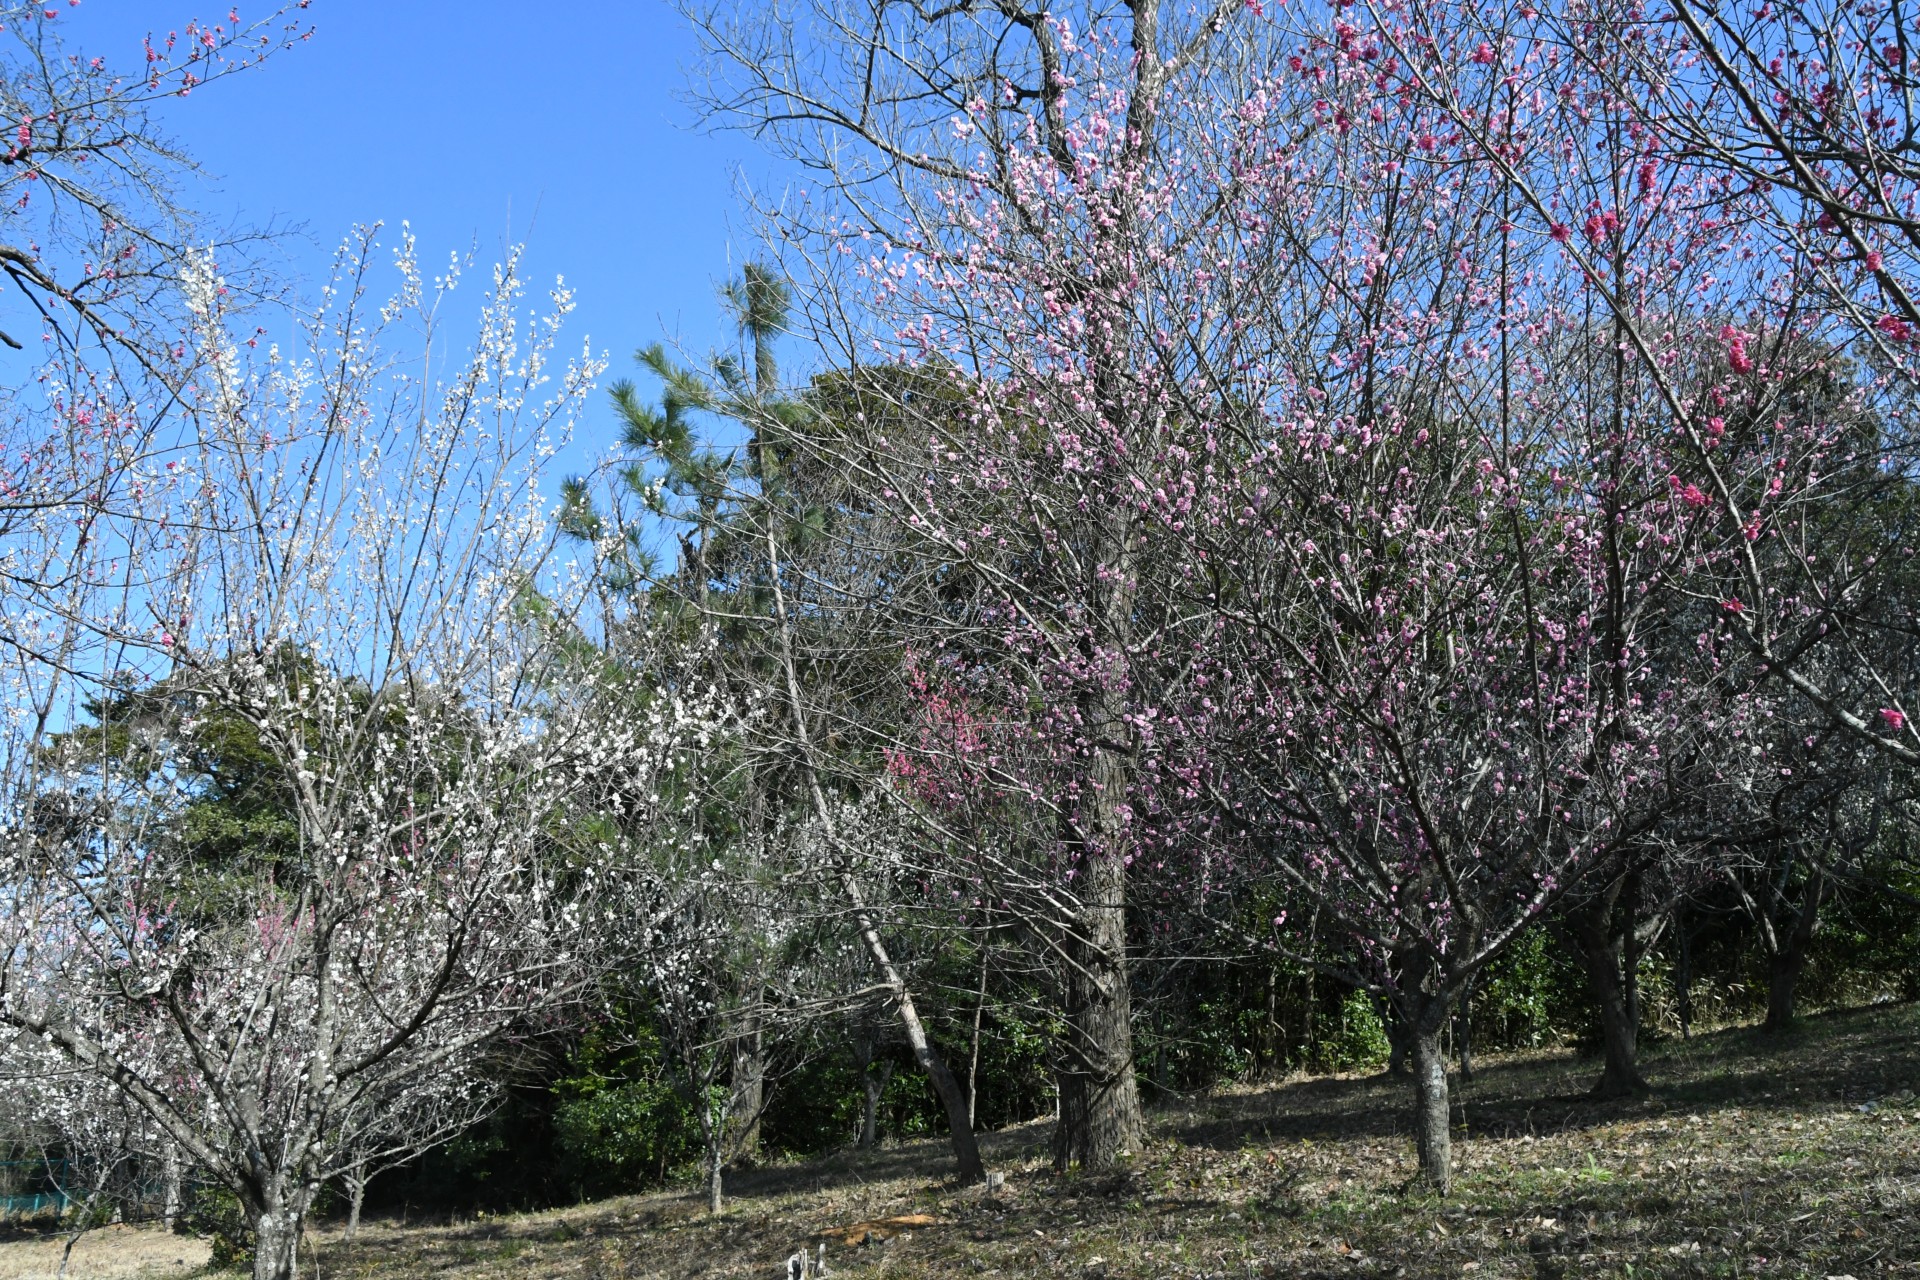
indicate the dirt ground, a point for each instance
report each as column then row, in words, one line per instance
column 1754, row 1156
column 111, row 1253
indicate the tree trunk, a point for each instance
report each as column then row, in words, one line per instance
column 1619, row 1028
column 1399, row 1043
column 1783, row 980
column 716, row 1186
column 863, row 1063
column 84, row 1220
column 1306, row 1008
column 1789, row 958
column 276, row 1241
column 1432, row 1120
column 1620, row 1042
column 1607, row 953
column 1100, row 1119
column 170, row 1192
column 749, row 1085
column 965, row 1149
column 748, row 1079
column 1463, row 1033
column 356, row 1196
column 1269, row 1051
column 973, row 1054
column 876, row 1088
column 1683, row 977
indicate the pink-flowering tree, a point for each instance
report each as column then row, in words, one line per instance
column 1815, row 828
column 1793, row 120
column 1182, row 347
column 1452, row 737
column 362, row 588
column 1629, row 139
column 96, row 230
column 1809, row 104
column 1041, row 211
column 1341, row 445
column 1499, row 644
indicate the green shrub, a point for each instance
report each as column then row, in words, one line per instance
column 214, row 1214
column 1352, row 1038
column 619, row 1137
column 1532, row 997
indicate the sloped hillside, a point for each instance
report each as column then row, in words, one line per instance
column 1754, row 1156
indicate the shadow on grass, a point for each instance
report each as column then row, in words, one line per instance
column 1826, row 1060
column 1710, row 1171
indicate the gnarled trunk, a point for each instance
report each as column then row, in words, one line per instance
column 1783, row 982
column 1603, row 931
column 1399, row 1039
column 1100, row 1120
column 1617, row 996
column 1619, row 1040
column 276, row 1242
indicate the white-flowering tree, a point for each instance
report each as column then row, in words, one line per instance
column 101, row 1153
column 706, row 969
column 360, row 592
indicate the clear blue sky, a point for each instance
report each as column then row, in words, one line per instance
column 480, row 122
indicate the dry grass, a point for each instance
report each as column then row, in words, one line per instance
column 110, row 1253
column 1754, row 1156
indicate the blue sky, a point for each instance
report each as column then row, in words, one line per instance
column 480, row 122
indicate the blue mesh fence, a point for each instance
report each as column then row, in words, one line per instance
column 30, row 1188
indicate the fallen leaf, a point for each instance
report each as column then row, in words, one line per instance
column 877, row 1230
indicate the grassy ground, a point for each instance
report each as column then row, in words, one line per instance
column 1755, row 1155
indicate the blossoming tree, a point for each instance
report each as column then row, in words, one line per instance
column 351, row 586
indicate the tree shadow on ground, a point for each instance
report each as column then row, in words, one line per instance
column 1525, row 1096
